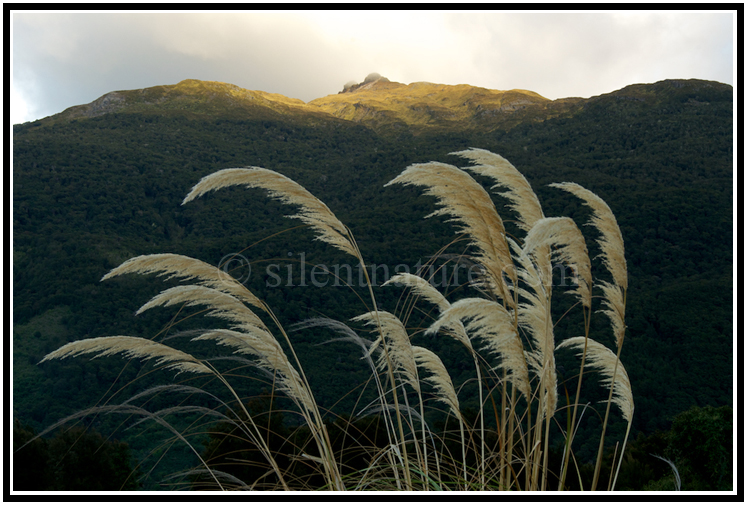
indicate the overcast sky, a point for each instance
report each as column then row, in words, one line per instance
column 65, row 59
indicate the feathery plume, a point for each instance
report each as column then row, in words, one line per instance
column 421, row 288
column 613, row 255
column 424, row 289
column 222, row 304
column 534, row 317
column 602, row 358
column 131, row 347
column 611, row 242
column 615, row 309
column 492, row 323
column 313, row 211
column 180, row 266
column 571, row 249
column 439, row 377
column 397, row 342
column 270, row 356
column 461, row 197
column 520, row 195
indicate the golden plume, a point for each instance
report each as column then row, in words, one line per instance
column 271, row 357
column 422, row 288
column 136, row 347
column 222, row 305
column 613, row 255
column 439, row 377
column 397, row 342
column 313, row 211
column 179, row 266
column 602, row 358
column 492, row 323
column 522, row 199
column 611, row 242
column 469, row 204
column 571, row 249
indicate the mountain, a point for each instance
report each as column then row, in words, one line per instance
column 376, row 102
column 192, row 97
column 102, row 182
column 380, row 103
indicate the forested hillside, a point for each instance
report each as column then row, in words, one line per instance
column 91, row 192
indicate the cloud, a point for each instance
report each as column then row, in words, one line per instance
column 568, row 54
column 61, row 60
column 19, row 107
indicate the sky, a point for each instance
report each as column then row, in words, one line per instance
column 62, row 59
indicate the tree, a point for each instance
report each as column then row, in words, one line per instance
column 701, row 444
column 74, row 459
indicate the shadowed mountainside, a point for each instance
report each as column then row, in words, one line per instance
column 101, row 182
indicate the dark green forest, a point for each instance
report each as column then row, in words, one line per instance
column 90, row 193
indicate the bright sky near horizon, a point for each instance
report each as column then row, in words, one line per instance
column 62, row 59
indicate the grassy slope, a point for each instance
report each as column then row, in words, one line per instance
column 423, row 106
column 382, row 105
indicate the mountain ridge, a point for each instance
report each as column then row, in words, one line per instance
column 376, row 103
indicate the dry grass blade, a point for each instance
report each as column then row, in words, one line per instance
column 461, row 197
column 492, row 323
column 523, row 199
column 676, row 474
column 602, row 358
column 347, row 334
column 130, row 410
column 227, row 480
column 203, row 411
column 442, row 382
column 136, row 347
column 313, row 211
column 179, row 266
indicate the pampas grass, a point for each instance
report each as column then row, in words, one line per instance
column 604, row 220
column 613, row 373
column 613, row 257
column 570, row 249
column 520, row 195
column 508, row 332
column 313, row 211
column 132, row 347
column 462, row 198
column 179, row 266
column 492, row 324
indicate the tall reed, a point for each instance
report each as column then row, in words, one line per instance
column 506, row 327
